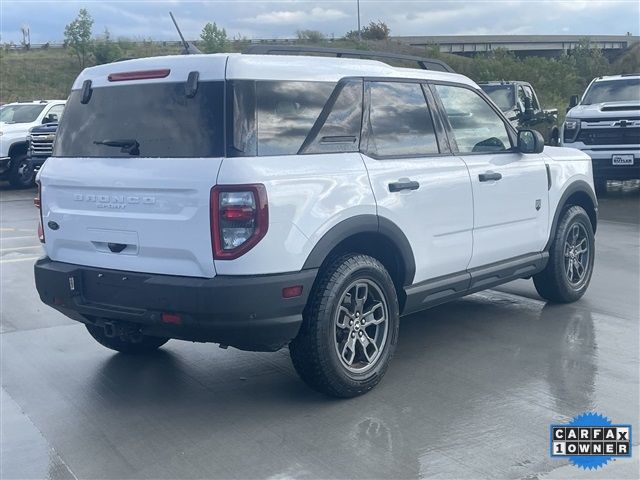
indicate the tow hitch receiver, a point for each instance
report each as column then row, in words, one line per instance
column 122, row 330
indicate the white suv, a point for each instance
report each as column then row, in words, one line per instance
column 16, row 119
column 262, row 201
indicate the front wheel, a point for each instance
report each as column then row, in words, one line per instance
column 21, row 174
column 350, row 328
column 571, row 256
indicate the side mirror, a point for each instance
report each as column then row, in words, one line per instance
column 52, row 117
column 530, row 141
column 573, row 101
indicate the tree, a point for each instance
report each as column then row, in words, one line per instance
column 77, row 36
column 311, row 36
column 26, row 37
column 374, row 31
column 105, row 50
column 214, row 39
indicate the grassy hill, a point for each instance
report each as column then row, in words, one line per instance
column 41, row 74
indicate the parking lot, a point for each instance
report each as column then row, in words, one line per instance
column 471, row 392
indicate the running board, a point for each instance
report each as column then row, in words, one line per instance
column 440, row 290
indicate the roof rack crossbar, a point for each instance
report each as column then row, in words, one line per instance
column 423, row 63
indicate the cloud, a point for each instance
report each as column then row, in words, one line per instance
column 287, row 17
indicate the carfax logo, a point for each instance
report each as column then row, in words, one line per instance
column 590, row 441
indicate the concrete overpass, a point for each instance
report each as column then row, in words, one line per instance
column 521, row 45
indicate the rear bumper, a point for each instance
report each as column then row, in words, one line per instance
column 247, row 312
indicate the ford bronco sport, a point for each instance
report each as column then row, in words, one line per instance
column 261, row 201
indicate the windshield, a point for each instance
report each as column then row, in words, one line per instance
column 20, row 113
column 502, row 95
column 627, row 90
column 146, row 120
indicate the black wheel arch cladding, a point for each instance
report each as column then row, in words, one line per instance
column 359, row 225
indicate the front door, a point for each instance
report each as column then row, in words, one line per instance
column 417, row 183
column 510, row 192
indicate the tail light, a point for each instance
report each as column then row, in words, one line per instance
column 38, row 203
column 239, row 219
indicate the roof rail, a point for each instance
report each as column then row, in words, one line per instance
column 423, row 63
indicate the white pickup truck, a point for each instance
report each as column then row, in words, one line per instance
column 605, row 124
column 16, row 119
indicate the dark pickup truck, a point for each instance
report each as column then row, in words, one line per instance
column 40, row 144
column 520, row 104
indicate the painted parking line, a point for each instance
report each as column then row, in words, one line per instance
column 22, row 237
column 13, row 249
column 23, row 259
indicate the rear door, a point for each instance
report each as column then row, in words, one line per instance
column 510, row 189
column 417, row 183
column 128, row 186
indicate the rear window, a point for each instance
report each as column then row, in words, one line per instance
column 158, row 116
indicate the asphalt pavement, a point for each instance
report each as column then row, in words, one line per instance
column 471, row 392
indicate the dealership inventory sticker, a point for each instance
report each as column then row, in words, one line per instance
column 590, row 440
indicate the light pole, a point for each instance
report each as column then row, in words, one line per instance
column 359, row 32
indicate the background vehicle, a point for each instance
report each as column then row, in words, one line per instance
column 605, row 124
column 519, row 102
column 328, row 198
column 15, row 121
column 40, row 144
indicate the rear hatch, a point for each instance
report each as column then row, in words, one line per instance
column 129, row 182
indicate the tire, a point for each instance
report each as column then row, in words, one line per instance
column 329, row 352
column 600, row 186
column 21, row 173
column 568, row 273
column 142, row 344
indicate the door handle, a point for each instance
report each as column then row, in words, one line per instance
column 404, row 185
column 489, row 176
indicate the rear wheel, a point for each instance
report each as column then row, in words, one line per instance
column 21, row 174
column 571, row 257
column 131, row 344
column 350, row 328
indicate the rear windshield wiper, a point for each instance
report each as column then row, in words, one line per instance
column 127, row 145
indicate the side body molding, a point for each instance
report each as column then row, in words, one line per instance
column 362, row 224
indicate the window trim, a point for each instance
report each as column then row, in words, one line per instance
column 511, row 132
column 444, row 148
column 327, row 109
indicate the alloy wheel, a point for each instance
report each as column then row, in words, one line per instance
column 361, row 326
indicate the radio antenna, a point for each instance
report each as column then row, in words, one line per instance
column 189, row 49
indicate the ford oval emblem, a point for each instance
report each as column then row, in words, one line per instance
column 53, row 225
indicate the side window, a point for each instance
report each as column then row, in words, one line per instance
column 521, row 97
column 529, row 93
column 286, row 111
column 338, row 127
column 399, row 121
column 476, row 126
column 55, row 113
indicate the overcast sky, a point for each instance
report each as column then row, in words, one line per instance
column 281, row 19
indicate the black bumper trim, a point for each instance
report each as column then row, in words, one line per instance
column 247, row 312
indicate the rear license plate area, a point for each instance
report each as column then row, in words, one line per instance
column 108, row 288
